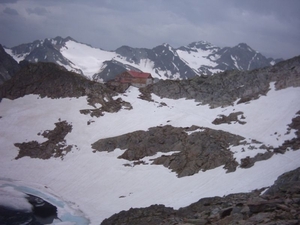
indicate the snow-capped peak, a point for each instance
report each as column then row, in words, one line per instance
column 163, row 61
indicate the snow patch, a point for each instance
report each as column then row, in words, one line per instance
column 196, row 59
column 98, row 178
column 88, row 59
column 18, row 58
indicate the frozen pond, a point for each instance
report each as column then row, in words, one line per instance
column 22, row 203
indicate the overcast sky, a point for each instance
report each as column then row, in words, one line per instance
column 271, row 27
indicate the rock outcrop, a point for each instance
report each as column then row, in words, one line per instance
column 223, row 89
column 231, row 118
column 53, row 81
column 55, row 146
column 293, row 143
column 8, row 66
column 279, row 205
column 195, row 148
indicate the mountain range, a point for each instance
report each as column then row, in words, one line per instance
column 163, row 61
column 219, row 149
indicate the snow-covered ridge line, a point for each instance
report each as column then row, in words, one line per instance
column 163, row 62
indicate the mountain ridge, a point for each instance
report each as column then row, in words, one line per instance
column 162, row 61
column 165, row 153
column 8, row 66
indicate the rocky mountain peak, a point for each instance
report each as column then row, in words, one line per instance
column 203, row 45
column 58, row 41
column 164, row 48
column 244, row 46
column 162, row 61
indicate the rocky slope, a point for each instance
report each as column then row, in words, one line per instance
column 279, row 204
column 47, row 50
column 225, row 88
column 8, row 66
column 54, row 81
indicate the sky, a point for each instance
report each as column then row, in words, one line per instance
column 271, row 27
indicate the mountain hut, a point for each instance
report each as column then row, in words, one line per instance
column 135, row 78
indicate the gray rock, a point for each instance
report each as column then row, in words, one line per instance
column 249, row 162
column 55, row 146
column 232, row 117
column 223, row 89
column 8, row 66
column 273, row 207
column 201, row 150
column 53, row 81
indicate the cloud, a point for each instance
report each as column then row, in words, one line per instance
column 10, row 11
column 269, row 26
column 8, row 1
column 40, row 11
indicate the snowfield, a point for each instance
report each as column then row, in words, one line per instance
column 93, row 186
column 91, row 60
column 85, row 57
column 197, row 58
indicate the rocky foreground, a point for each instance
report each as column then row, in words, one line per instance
column 279, row 204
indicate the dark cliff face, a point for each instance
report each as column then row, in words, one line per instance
column 8, row 66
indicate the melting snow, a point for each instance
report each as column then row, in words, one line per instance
column 100, row 185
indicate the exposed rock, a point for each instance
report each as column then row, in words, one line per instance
column 249, row 162
column 287, row 183
column 47, row 50
column 117, row 86
column 223, row 89
column 202, row 149
column 153, row 216
column 8, row 66
column 53, row 81
column 232, row 117
column 294, row 143
column 55, row 146
column 279, row 205
column 165, row 61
